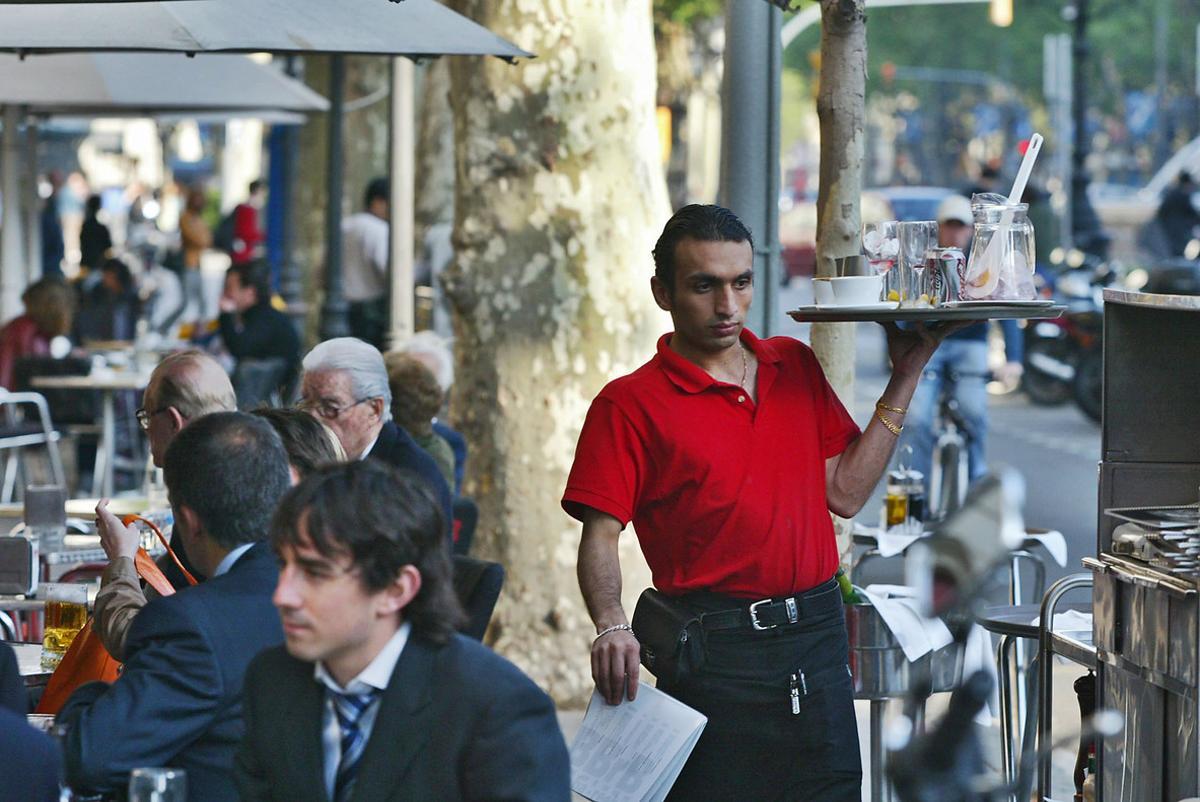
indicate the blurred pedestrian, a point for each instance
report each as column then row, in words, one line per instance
column 365, row 263
column 95, row 241
column 53, row 245
column 1177, row 215
column 249, row 239
column 49, row 313
column 195, row 237
column 109, row 308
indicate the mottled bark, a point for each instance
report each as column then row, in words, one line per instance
column 841, row 109
column 559, row 199
column 435, row 149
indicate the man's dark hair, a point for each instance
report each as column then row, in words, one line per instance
column 256, row 185
column 384, row 519
column 306, row 440
column 256, row 274
column 378, row 189
column 231, row 469
column 706, row 223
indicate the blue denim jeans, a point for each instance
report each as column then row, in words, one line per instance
column 762, row 742
column 968, row 359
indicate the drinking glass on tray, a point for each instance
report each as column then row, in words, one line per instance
column 881, row 244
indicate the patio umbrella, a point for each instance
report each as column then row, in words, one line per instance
column 146, row 84
column 415, row 28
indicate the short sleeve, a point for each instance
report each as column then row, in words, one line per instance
column 609, row 467
column 836, row 426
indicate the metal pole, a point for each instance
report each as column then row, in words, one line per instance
column 333, row 311
column 1085, row 225
column 289, row 272
column 750, row 140
column 12, row 267
column 402, row 203
column 33, row 229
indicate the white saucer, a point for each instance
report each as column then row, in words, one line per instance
column 861, row 307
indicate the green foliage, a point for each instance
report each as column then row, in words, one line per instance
column 687, row 12
column 1121, row 34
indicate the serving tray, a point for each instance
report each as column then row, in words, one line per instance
column 973, row 310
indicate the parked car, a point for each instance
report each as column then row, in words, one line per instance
column 798, row 220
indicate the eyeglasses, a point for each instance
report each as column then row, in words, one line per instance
column 328, row 409
column 144, row 417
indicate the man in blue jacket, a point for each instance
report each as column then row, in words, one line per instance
column 179, row 699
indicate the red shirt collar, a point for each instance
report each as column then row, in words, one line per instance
column 690, row 377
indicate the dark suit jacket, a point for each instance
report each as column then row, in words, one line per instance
column 30, row 764
column 397, row 448
column 457, row 722
column 13, row 695
column 179, row 699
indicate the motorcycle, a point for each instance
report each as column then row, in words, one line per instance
column 1064, row 356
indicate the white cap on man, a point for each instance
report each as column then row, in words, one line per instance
column 955, row 208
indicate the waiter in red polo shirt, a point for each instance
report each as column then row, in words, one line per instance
column 728, row 453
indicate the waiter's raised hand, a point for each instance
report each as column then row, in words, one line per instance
column 911, row 348
column 616, row 659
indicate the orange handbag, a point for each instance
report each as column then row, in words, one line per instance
column 86, row 659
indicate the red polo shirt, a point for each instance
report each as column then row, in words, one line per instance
column 725, row 495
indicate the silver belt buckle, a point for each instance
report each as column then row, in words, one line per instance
column 754, row 615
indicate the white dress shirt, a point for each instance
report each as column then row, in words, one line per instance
column 365, row 241
column 230, row 558
column 377, row 674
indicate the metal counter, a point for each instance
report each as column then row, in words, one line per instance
column 1146, row 598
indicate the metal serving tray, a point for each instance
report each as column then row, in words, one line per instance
column 994, row 311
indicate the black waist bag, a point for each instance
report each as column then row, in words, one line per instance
column 670, row 635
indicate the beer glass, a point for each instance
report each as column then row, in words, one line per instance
column 66, row 613
column 158, row 785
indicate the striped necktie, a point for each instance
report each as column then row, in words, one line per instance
column 349, row 709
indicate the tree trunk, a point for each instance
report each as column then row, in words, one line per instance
column 435, row 149
column 560, row 196
column 841, row 109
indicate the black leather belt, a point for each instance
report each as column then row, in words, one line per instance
column 774, row 612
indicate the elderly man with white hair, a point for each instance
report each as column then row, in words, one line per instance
column 345, row 385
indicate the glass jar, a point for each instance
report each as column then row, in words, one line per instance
column 1002, row 261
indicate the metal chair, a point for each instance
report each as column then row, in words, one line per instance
column 18, row 433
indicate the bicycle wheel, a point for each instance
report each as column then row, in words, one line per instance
column 1049, row 371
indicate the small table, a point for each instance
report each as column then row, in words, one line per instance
column 29, row 664
column 107, row 383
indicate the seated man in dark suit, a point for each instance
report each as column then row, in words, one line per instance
column 262, row 339
column 345, row 384
column 179, row 699
column 30, row 764
column 375, row 697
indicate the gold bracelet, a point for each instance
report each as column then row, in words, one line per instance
column 889, row 425
column 897, row 410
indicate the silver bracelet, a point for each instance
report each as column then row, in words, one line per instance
column 613, row 628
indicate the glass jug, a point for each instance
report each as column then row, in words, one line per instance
column 1001, row 264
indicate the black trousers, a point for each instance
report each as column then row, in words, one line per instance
column 762, row 742
column 368, row 320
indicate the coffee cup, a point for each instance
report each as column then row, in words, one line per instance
column 823, row 291
column 856, row 290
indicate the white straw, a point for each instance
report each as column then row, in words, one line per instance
column 1031, row 154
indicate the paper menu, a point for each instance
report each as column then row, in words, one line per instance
column 634, row 751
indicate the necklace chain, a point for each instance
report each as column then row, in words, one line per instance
column 745, row 366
